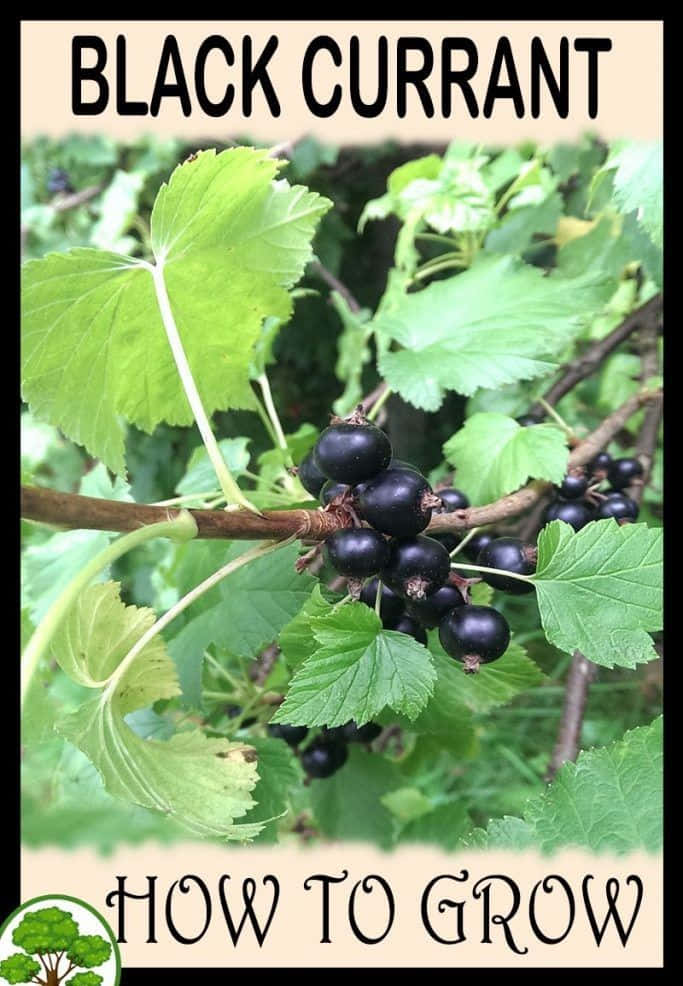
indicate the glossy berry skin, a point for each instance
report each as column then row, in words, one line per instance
column 510, row 554
column 351, row 453
column 330, row 490
column 619, row 506
column 573, row 487
column 312, row 479
column 392, row 502
column 449, row 541
column 391, row 606
column 361, row 734
column 430, row 611
column 417, row 566
column 292, row 735
column 402, row 464
column 622, row 473
column 601, row 463
column 412, row 628
column 475, row 544
column 478, row 632
column 452, row 500
column 357, row 552
column 572, row 512
column 323, row 757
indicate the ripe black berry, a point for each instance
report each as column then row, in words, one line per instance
column 619, row 506
column 601, row 463
column 476, row 543
column 431, row 611
column 360, row 734
column 452, row 500
column 232, row 711
column 402, row 464
column 293, row 735
column 330, row 490
column 417, row 566
column 323, row 757
column 622, row 473
column 397, row 502
column 474, row 635
column 351, row 453
column 412, row 628
column 357, row 552
column 526, row 420
column 390, row 606
column 58, row 181
column 449, row 541
column 573, row 487
column 512, row 555
column 572, row 512
column 312, row 479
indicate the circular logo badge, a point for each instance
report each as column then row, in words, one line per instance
column 57, row 940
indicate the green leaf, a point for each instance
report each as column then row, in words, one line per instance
column 638, row 172
column 118, row 207
column 278, row 771
column 297, row 640
column 600, row 590
column 619, row 380
column 349, row 804
column 357, row 670
column 495, row 455
column 515, row 232
column 354, row 353
column 204, row 784
column 407, row 803
column 501, row 833
column 495, row 684
column 230, row 239
column 200, row 476
column 443, row 826
column 496, row 323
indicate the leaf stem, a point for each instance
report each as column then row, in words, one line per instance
column 493, row 571
column 446, row 265
column 183, row 527
column 261, row 411
column 233, row 494
column 550, row 410
column 379, row 403
column 264, row 384
column 468, row 537
column 187, row 600
column 378, row 598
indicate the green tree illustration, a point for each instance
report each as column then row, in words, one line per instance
column 53, row 937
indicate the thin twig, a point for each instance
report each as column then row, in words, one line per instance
column 333, row 282
column 581, row 673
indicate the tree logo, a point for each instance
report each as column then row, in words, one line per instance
column 57, row 940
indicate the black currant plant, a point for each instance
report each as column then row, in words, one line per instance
column 217, row 669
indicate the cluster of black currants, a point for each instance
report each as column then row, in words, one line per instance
column 580, row 501
column 351, row 470
column 325, row 754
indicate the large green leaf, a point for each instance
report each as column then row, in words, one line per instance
column 357, row 670
column 230, row 240
column 609, row 800
column 600, row 590
column 499, row 322
column 204, row 784
column 638, row 183
column 495, row 455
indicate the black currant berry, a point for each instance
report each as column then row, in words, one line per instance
column 619, row 506
column 623, row 472
column 476, row 543
column 474, row 635
column 430, row 611
column 452, row 500
column 357, row 552
column 512, row 555
column 397, row 502
column 323, row 757
column 312, row 479
column 402, row 464
column 449, row 541
column 351, row 453
column 573, row 487
column 360, row 734
column 417, row 566
column 58, row 181
column 572, row 512
column 600, row 464
column 412, row 628
column 232, row 711
column 330, row 490
column 293, row 735
column 526, row 420
column 390, row 606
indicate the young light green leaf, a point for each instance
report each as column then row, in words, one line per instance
column 407, row 803
column 638, row 173
column 357, row 670
column 200, row 476
column 496, row 323
column 94, row 350
column 204, row 783
column 600, row 590
column 495, row 455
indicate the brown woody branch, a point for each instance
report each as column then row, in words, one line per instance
column 648, row 316
column 70, row 510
